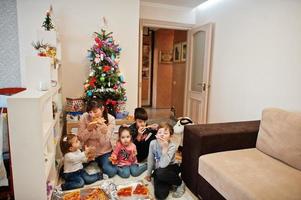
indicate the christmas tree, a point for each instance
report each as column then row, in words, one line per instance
column 105, row 82
column 47, row 24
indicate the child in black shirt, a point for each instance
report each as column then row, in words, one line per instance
column 142, row 134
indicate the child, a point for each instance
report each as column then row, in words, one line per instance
column 96, row 129
column 124, row 155
column 161, row 158
column 74, row 174
column 142, row 135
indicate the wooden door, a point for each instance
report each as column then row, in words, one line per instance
column 199, row 73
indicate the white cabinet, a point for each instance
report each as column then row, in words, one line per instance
column 34, row 136
column 35, row 131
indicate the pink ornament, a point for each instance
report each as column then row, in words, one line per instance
column 97, row 60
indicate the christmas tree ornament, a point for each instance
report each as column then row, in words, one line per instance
column 97, row 59
column 102, row 79
column 103, row 74
column 106, row 68
column 121, row 78
column 92, row 73
column 89, row 93
column 92, row 82
column 90, row 55
column 86, row 86
column 47, row 24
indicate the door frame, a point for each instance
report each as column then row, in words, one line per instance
column 158, row 24
column 207, row 69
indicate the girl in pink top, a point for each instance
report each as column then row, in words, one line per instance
column 96, row 130
column 124, row 155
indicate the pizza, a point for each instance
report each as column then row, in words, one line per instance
column 72, row 196
column 95, row 194
column 141, row 190
column 125, row 192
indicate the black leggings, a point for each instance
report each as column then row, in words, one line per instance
column 164, row 178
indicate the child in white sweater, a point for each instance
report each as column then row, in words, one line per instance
column 74, row 174
column 161, row 159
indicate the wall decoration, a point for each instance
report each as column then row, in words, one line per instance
column 177, row 52
column 165, row 57
column 183, row 51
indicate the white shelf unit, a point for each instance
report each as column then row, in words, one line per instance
column 34, row 139
column 35, row 131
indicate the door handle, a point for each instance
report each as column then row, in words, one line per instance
column 204, row 86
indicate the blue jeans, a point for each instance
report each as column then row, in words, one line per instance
column 134, row 170
column 106, row 165
column 78, row 179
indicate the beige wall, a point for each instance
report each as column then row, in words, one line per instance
column 168, row 13
column 76, row 22
column 256, row 57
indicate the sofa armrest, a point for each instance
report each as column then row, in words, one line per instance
column 210, row 138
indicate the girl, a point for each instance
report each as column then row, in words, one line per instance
column 96, row 128
column 161, row 158
column 74, row 174
column 124, row 155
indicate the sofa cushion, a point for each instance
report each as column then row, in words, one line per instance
column 280, row 136
column 250, row 174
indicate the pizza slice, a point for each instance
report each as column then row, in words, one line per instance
column 125, row 192
column 72, row 196
column 141, row 190
column 95, row 194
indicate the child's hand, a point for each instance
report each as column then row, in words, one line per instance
column 141, row 130
column 101, row 121
column 148, row 178
column 154, row 126
column 91, row 126
column 113, row 159
column 140, row 133
column 103, row 128
column 90, row 152
column 163, row 143
column 90, row 158
column 134, row 153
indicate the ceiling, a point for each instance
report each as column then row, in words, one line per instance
column 182, row 3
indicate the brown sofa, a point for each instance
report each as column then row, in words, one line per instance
column 210, row 138
column 245, row 160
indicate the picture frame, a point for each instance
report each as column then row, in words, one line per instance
column 177, row 52
column 145, row 31
column 165, row 56
column 183, row 51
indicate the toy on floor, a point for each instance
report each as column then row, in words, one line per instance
column 179, row 128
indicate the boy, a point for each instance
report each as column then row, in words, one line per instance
column 161, row 159
column 142, row 135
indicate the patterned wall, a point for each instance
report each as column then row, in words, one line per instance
column 9, row 45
